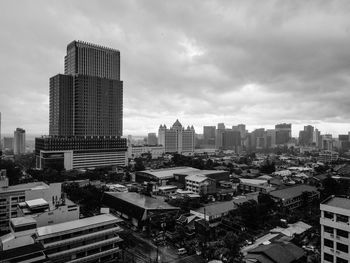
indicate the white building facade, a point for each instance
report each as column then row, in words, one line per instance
column 335, row 229
column 177, row 139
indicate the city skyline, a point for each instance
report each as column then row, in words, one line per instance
column 185, row 65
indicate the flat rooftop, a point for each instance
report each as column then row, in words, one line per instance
column 76, row 224
column 340, row 202
column 143, row 201
column 21, row 221
column 24, row 187
column 169, row 172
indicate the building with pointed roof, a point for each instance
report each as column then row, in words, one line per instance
column 177, row 139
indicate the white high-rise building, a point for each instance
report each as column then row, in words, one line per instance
column 177, row 139
column 335, row 230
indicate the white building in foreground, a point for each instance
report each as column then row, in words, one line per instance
column 335, row 229
column 92, row 239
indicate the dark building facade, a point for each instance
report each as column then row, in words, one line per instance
column 209, row 136
column 88, row 99
column 86, row 111
column 283, row 133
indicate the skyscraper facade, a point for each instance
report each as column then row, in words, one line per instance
column 86, row 111
column 88, row 99
column 19, row 141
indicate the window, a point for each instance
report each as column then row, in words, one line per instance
column 342, row 218
column 342, row 233
column 343, row 248
column 328, row 229
column 328, row 215
column 328, row 257
column 328, row 243
column 341, row 260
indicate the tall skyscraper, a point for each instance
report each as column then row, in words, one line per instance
column 86, row 111
column 19, row 141
column 88, row 99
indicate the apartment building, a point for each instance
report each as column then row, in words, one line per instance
column 335, row 229
column 200, row 184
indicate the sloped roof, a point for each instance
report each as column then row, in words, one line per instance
column 292, row 192
column 279, row 253
column 177, row 123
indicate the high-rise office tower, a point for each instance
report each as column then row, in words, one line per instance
column 19, row 141
column 86, row 111
column 152, row 139
column 218, row 135
column 88, row 99
column 283, row 133
column 209, row 136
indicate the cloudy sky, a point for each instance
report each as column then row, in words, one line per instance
column 204, row 62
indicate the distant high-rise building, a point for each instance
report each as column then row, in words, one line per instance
column 8, row 144
column 316, row 138
column 152, row 139
column 306, row 136
column 283, row 133
column 86, row 111
column 270, row 138
column 19, row 141
column 218, row 136
column 177, row 139
column 231, row 140
column 0, row 134
column 209, row 136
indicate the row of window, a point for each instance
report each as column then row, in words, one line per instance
column 338, row 217
column 339, row 246
column 338, row 232
column 330, row 258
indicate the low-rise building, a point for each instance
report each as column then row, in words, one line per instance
column 11, row 196
column 92, row 239
column 136, row 207
column 49, row 213
column 200, row 184
column 136, row 151
column 162, row 176
column 255, row 185
column 292, row 197
column 214, row 212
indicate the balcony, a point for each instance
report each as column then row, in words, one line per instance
column 95, row 256
column 68, row 241
column 85, row 248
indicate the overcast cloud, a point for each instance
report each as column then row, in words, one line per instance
column 203, row 62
